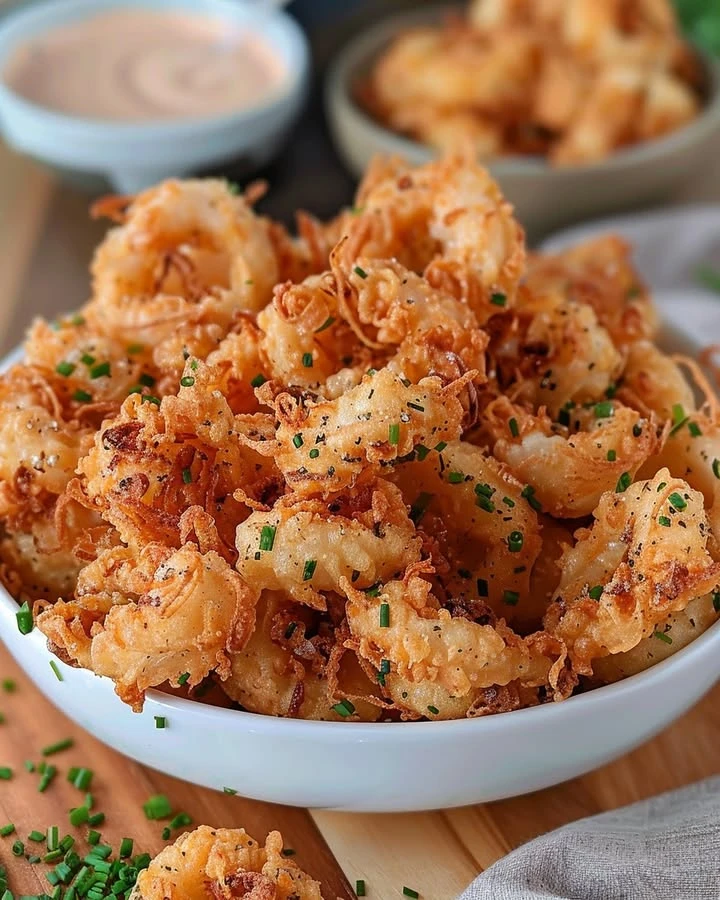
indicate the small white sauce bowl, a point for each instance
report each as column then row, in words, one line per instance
column 378, row 767
column 136, row 155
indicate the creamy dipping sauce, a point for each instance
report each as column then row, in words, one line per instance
column 133, row 64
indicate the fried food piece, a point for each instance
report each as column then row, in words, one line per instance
column 673, row 633
column 644, row 557
column 423, row 642
column 447, row 220
column 598, row 272
column 164, row 612
column 554, row 353
column 653, row 382
column 570, row 467
column 488, row 533
column 154, row 461
column 324, row 446
column 295, row 665
column 222, row 864
column 305, row 547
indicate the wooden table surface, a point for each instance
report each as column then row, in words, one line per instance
column 45, row 244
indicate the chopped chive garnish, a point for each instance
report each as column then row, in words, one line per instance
column 181, row 820
column 58, row 747
column 482, row 587
column 79, row 815
column 661, row 486
column 36, row 836
column 149, row 398
column 157, row 807
column 146, row 380
column 511, row 598
column 661, row 636
column 416, row 406
column 694, row 429
column 344, row 708
column 93, row 837
column 528, row 493
column 82, row 397
column 47, row 777
column 187, row 476
column 89, row 801
column 100, row 370
column 359, row 888
column 267, row 537
column 24, row 619
column 290, row 630
column 187, row 381
column 677, row 501
column 434, row 710
column 314, row 453
column 716, row 467
column 134, row 349
column 7, row 829
column 77, row 319
column 87, row 359
column 231, row 791
column 56, row 670
column 604, row 409
column 716, row 601
column 409, row 892
column 160, row 721
column 307, row 360
column 595, row 593
column 9, row 686
column 166, row 833
column 419, row 507
column 384, row 615
column 394, row 434
column 421, row 451
column 456, row 477
column 52, row 837
column 259, row 380
column 298, row 440
column 83, row 779
column 126, row 848
column 361, row 272
column 18, row 848
column 611, row 456
column 29, row 765
column 611, row 390
column 498, row 299
column 484, row 503
column 624, row 482
column 65, row 369
column 663, row 520
column 440, row 446
column 97, row 819
column 484, row 489
column 326, row 324
column 515, row 541
column 679, row 418
column 309, row 569
column 183, row 679
column 513, row 426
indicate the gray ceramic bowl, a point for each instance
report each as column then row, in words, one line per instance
column 545, row 197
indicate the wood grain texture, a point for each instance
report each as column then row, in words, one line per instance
column 120, row 787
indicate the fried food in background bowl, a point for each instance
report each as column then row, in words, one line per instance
column 579, row 108
column 393, row 469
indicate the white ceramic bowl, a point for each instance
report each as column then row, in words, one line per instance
column 134, row 156
column 393, row 767
column 545, row 197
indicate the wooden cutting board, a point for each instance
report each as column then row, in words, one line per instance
column 436, row 853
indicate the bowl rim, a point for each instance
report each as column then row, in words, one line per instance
column 595, row 698
column 23, row 23
column 361, row 48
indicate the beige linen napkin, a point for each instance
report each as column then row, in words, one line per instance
column 665, row 848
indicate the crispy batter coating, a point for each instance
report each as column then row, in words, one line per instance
column 573, row 81
column 164, row 613
column 341, row 474
column 223, row 864
column 644, row 557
